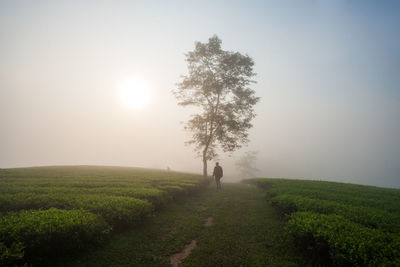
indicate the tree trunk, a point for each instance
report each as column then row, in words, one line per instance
column 205, row 164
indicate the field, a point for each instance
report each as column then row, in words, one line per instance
column 339, row 224
column 244, row 231
column 51, row 211
column 101, row 216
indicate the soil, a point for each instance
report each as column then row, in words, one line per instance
column 209, row 221
column 177, row 258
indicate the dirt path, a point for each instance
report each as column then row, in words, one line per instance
column 232, row 227
column 246, row 231
column 209, row 221
column 177, row 258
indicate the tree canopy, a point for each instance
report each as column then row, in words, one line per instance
column 218, row 83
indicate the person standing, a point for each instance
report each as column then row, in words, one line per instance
column 217, row 174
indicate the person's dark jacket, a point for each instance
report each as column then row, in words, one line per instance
column 218, row 173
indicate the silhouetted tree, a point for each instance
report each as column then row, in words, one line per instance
column 245, row 164
column 218, row 83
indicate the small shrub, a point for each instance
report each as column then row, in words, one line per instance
column 47, row 232
column 12, row 254
column 348, row 243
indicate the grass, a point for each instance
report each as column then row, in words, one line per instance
column 246, row 231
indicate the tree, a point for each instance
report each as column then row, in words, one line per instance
column 246, row 163
column 218, row 84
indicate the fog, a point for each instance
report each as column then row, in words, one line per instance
column 328, row 74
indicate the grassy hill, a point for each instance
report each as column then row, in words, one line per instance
column 103, row 216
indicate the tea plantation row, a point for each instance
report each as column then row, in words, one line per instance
column 50, row 211
column 339, row 224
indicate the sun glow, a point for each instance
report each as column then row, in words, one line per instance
column 134, row 93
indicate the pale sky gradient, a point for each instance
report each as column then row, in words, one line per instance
column 328, row 78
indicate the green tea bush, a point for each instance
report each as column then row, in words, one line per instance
column 46, row 232
column 8, row 198
column 340, row 224
column 11, row 255
column 370, row 217
column 155, row 196
column 118, row 211
column 349, row 243
column 377, row 197
column 36, row 204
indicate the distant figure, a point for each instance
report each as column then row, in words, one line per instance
column 217, row 174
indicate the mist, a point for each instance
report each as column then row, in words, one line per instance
column 328, row 74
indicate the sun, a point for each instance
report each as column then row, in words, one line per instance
column 134, row 93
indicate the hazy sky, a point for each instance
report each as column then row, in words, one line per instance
column 328, row 78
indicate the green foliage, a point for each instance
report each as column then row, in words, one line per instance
column 385, row 199
column 46, row 232
column 116, row 210
column 348, row 242
column 12, row 254
column 56, row 210
column 245, row 232
column 370, row 217
column 352, row 224
column 218, row 83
